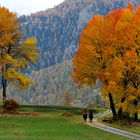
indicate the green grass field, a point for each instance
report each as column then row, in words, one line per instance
column 49, row 124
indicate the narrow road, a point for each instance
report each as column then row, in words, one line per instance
column 99, row 125
column 100, row 115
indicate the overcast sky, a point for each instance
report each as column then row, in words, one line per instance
column 29, row 6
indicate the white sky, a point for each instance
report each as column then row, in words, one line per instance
column 26, row 7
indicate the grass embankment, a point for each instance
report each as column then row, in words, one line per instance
column 123, row 125
column 49, row 124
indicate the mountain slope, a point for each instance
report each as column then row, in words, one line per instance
column 58, row 29
column 53, row 86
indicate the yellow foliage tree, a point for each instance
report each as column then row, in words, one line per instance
column 15, row 53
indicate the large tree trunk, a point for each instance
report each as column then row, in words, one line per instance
column 120, row 109
column 136, row 113
column 4, row 86
column 112, row 106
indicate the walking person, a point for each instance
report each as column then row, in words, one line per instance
column 90, row 116
column 84, row 112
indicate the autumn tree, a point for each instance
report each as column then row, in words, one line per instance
column 123, row 73
column 90, row 60
column 109, row 50
column 15, row 53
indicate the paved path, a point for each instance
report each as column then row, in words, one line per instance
column 100, row 115
column 99, row 125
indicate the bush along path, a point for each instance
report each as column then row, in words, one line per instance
column 101, row 126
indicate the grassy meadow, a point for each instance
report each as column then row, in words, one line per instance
column 47, row 123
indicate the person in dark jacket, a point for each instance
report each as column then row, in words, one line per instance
column 84, row 112
column 90, row 115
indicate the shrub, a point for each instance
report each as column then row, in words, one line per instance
column 11, row 105
column 67, row 114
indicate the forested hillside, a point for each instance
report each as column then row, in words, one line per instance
column 55, row 86
column 57, row 31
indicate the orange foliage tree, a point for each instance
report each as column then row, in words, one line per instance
column 109, row 50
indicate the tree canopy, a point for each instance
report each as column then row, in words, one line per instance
column 109, row 50
column 15, row 52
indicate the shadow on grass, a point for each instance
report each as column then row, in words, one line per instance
column 46, row 109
